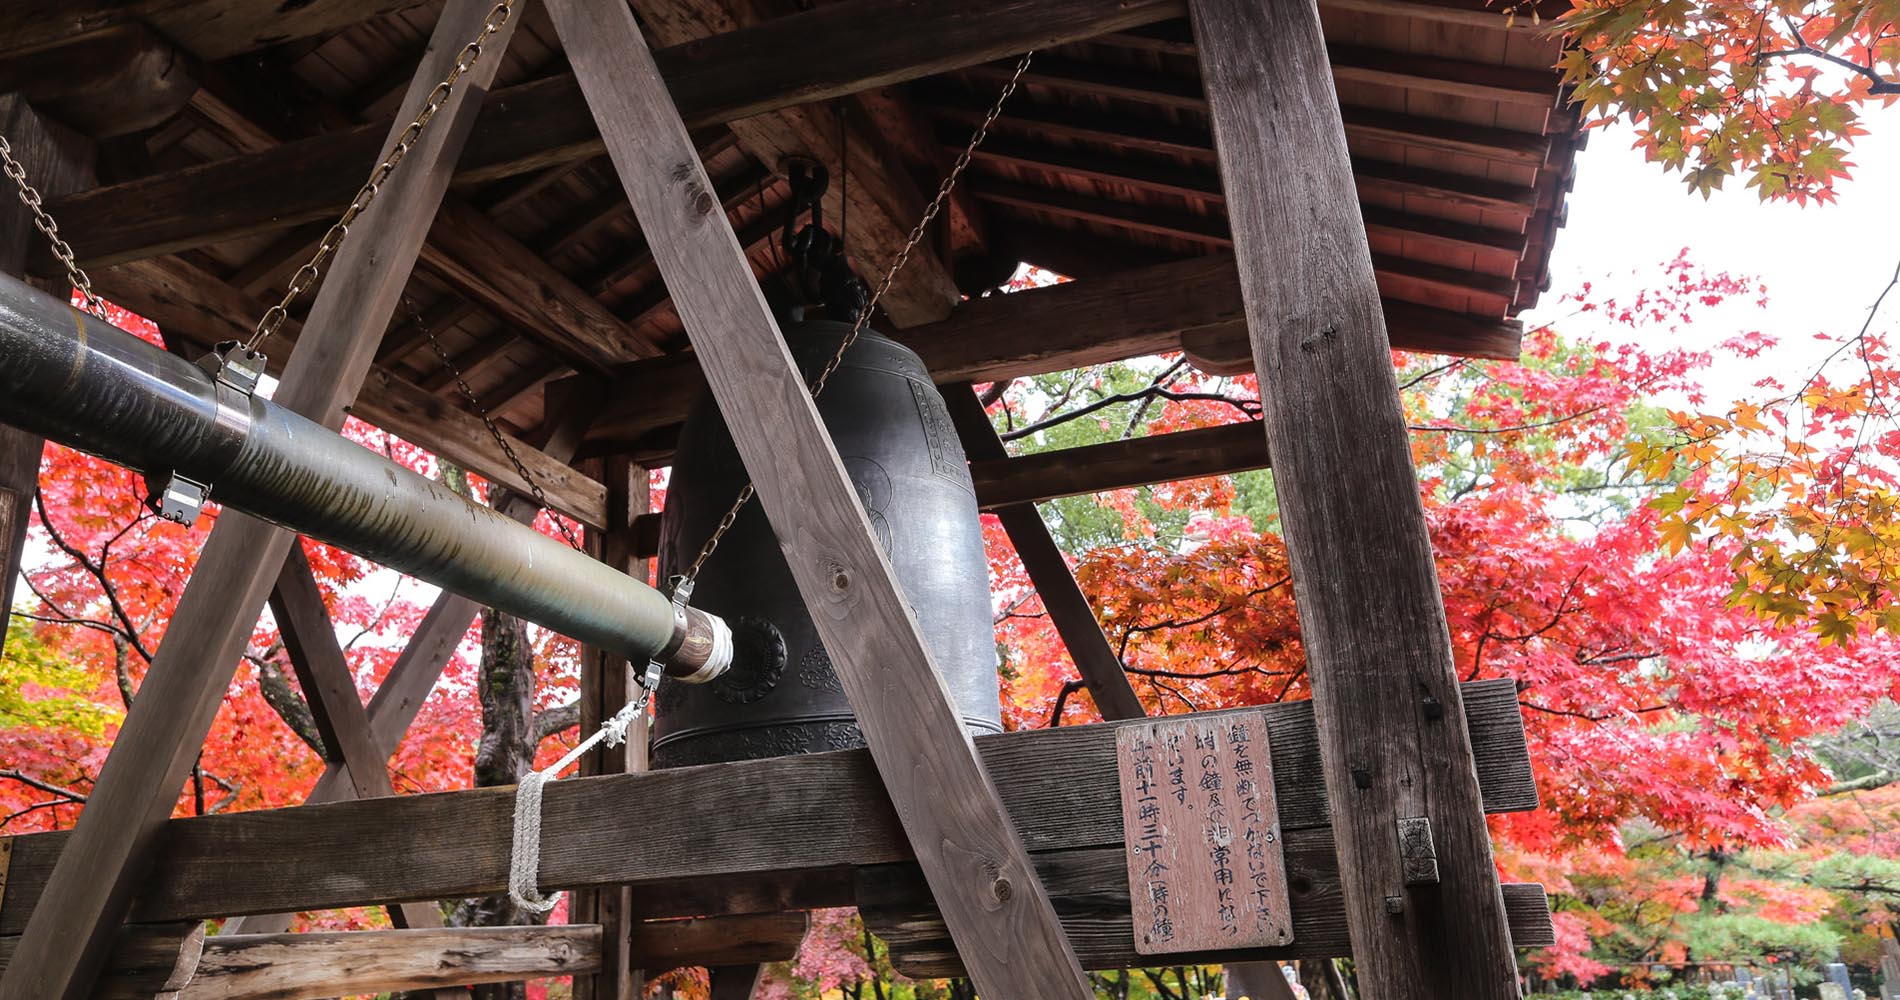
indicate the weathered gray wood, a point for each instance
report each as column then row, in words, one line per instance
column 146, row 960
column 723, row 78
column 114, row 842
column 784, row 827
column 950, row 810
column 1090, row 887
column 607, row 682
column 1393, row 738
column 1093, row 320
column 111, row 82
column 1118, row 465
column 1101, row 670
column 658, row 945
column 55, row 162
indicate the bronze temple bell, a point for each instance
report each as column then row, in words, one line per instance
column 781, row 695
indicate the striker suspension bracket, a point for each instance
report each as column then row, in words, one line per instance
column 181, row 498
column 821, row 275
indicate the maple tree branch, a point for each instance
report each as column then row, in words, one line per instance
column 1588, row 717
column 1865, row 783
column 1069, row 687
column 98, row 572
column 44, row 786
column 1881, row 85
column 284, row 699
column 1250, row 407
column 556, row 720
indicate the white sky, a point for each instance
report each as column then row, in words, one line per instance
column 1824, row 265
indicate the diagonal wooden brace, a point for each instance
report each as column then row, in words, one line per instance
column 996, row 908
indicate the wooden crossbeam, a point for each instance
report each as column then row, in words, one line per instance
column 1202, row 183
column 950, row 810
column 65, row 943
column 1430, row 74
column 1091, row 891
column 1003, row 482
column 764, row 835
column 1091, row 321
column 544, row 123
column 1101, row 670
column 1497, row 246
column 747, row 939
column 110, row 82
column 55, row 162
column 1393, row 746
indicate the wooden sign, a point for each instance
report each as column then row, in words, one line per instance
column 1205, row 866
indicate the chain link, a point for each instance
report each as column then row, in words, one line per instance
column 30, row 197
column 306, row 275
column 501, row 439
column 817, row 384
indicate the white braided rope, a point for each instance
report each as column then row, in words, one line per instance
column 524, row 863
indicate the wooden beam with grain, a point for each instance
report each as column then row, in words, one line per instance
column 728, row 827
column 331, row 963
column 544, row 123
column 1193, row 303
column 952, row 813
column 114, row 843
column 743, row 939
column 1393, row 743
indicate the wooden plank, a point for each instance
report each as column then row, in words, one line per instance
column 1090, row 321
column 1090, row 886
column 55, row 162
column 113, row 844
column 951, row 811
column 111, row 82
column 211, row 29
column 1206, row 870
column 328, row 964
column 1118, row 465
column 658, row 945
column 146, row 959
column 1394, row 744
column 480, row 260
column 532, row 126
column 1101, row 670
column 726, row 822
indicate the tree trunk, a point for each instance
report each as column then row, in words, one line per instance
column 505, row 754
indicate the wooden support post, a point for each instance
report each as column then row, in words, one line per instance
column 55, row 164
column 1391, row 721
column 607, row 681
column 113, row 845
column 1062, row 597
column 733, row 982
column 324, row 674
column 951, row 812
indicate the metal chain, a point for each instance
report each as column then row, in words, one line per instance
column 817, row 384
column 61, row 249
column 306, row 275
column 493, row 430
